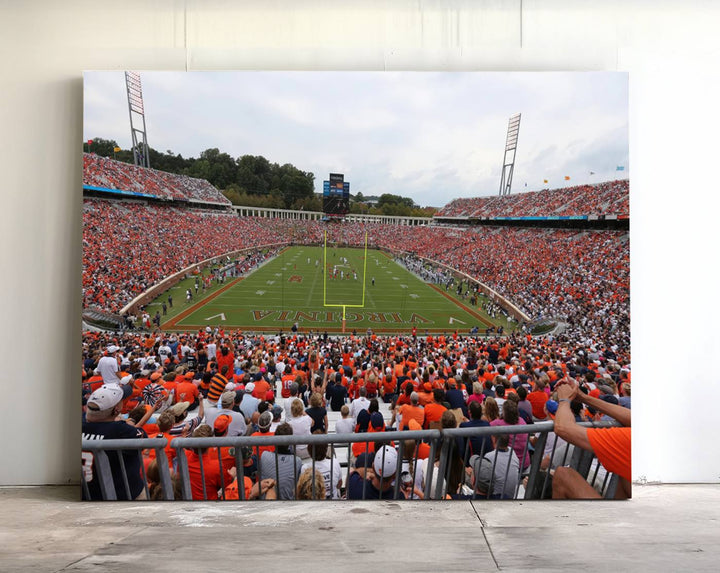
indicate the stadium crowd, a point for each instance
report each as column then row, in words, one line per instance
column 138, row 385
column 110, row 174
column 580, row 277
column 225, row 383
column 130, row 246
column 607, row 198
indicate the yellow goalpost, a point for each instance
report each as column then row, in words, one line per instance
column 325, row 273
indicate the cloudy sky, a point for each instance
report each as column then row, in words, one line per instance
column 429, row 136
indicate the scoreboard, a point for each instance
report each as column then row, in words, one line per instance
column 336, row 195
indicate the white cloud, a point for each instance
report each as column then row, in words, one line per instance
column 430, row 136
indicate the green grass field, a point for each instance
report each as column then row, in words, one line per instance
column 293, row 288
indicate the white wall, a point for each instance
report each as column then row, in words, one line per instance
column 670, row 48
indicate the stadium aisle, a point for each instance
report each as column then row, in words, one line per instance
column 45, row 530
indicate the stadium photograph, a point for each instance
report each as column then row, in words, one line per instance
column 349, row 286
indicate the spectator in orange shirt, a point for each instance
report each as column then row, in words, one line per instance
column 170, row 382
column 187, row 391
column 388, row 387
column 227, row 455
column 412, row 411
column 404, row 397
column 226, row 358
column 264, row 488
column 162, row 430
column 211, row 469
column 434, row 410
column 538, row 398
column 612, row 446
column 425, row 394
column 371, row 387
column 262, row 387
column 140, row 415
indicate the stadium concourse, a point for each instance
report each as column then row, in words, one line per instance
column 141, row 226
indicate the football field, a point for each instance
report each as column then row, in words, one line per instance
column 310, row 286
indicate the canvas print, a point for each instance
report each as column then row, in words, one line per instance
column 350, row 286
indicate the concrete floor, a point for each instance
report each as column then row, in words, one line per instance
column 664, row 528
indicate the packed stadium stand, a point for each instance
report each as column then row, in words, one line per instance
column 609, row 198
column 129, row 246
column 369, row 385
column 142, row 383
column 582, row 276
column 104, row 173
column 579, row 276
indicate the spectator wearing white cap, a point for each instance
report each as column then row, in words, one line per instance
column 108, row 366
column 103, row 408
column 375, row 482
column 249, row 404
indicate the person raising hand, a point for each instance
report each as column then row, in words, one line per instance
column 611, row 446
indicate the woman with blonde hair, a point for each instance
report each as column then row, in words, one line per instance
column 310, row 486
column 477, row 393
column 301, row 424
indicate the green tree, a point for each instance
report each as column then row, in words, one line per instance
column 359, row 208
column 248, row 176
column 394, row 201
column 251, row 174
column 100, row 146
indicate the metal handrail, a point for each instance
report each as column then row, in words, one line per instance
column 442, row 439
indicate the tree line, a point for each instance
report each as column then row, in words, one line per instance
column 253, row 181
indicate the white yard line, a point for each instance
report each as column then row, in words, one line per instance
column 312, row 287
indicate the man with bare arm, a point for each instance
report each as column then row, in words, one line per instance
column 610, row 445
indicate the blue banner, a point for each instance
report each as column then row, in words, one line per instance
column 120, row 192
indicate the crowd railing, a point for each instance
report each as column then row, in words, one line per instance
column 443, row 445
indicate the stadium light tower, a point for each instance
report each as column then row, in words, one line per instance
column 136, row 109
column 509, row 157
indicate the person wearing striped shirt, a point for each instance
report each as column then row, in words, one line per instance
column 217, row 385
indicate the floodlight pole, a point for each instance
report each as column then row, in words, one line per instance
column 136, row 109
column 509, row 156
